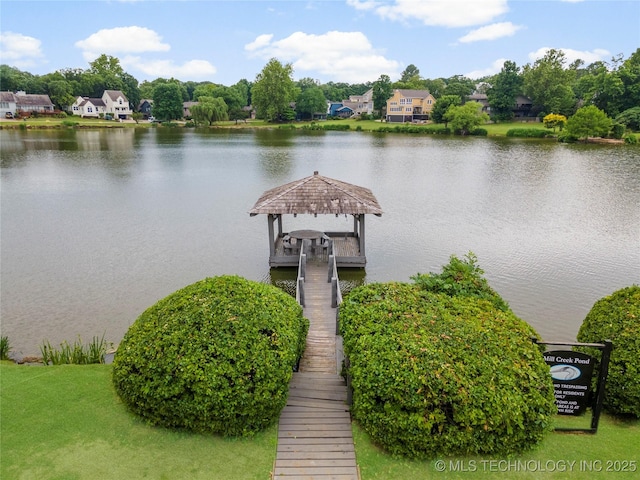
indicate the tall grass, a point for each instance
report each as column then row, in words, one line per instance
column 5, row 346
column 78, row 353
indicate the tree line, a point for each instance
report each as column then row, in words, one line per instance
column 553, row 85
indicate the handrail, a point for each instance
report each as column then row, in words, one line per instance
column 332, row 276
column 302, row 268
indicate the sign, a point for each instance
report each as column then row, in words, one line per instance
column 571, row 373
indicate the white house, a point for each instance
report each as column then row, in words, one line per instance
column 116, row 104
column 113, row 103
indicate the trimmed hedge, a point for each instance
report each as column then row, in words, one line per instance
column 527, row 133
column 436, row 375
column 215, row 356
column 617, row 318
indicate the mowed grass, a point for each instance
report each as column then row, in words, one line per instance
column 608, row 454
column 67, row 423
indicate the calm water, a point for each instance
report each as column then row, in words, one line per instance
column 98, row 225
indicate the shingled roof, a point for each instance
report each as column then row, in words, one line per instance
column 317, row 195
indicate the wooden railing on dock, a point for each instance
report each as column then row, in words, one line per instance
column 315, row 439
column 332, row 275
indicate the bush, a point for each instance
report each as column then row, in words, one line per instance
column 463, row 278
column 479, row 132
column 216, row 356
column 436, row 375
column 631, row 139
column 617, row 318
column 617, row 130
column 5, row 347
column 527, row 133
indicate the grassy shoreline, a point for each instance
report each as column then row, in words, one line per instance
column 67, row 422
column 497, row 129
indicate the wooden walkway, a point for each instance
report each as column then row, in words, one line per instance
column 315, row 441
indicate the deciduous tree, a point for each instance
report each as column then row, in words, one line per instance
column 548, row 84
column 311, row 101
column 167, row 101
column 442, row 105
column 587, row 122
column 465, row 118
column 209, row 110
column 382, row 90
column 274, row 91
column 502, row 95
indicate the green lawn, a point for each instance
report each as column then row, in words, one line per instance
column 66, row 423
column 559, row 456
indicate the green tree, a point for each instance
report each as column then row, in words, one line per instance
column 244, row 89
column 630, row 118
column 61, row 93
column 209, row 110
column 442, row 105
column 131, row 90
column 436, row 87
column 587, row 122
column 311, row 101
column 13, row 79
column 553, row 120
column 382, row 90
column 548, row 84
column 502, row 95
column 167, row 101
column 274, row 91
column 459, row 85
column 465, row 118
column 629, row 74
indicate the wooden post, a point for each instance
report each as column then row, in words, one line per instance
column 362, row 252
column 279, row 224
column 272, row 240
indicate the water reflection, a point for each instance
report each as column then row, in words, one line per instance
column 98, row 225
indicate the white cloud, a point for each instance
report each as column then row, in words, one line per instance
column 261, row 41
column 495, row 67
column 491, row 32
column 441, row 13
column 571, row 55
column 344, row 56
column 19, row 50
column 191, row 70
column 119, row 40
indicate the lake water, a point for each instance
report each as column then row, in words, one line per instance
column 97, row 225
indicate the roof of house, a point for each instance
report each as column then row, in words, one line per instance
column 317, row 195
column 114, row 94
column 96, row 102
column 33, row 100
column 414, row 93
column 7, row 97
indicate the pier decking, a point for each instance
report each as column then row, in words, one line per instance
column 314, row 434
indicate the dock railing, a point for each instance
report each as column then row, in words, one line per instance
column 302, row 267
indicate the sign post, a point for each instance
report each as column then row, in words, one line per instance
column 572, row 374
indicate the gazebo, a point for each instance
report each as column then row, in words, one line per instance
column 317, row 195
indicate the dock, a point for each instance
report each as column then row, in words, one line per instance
column 315, row 440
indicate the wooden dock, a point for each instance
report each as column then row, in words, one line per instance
column 315, row 440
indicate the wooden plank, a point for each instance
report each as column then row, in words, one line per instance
column 316, row 441
column 335, row 449
column 315, row 471
column 316, row 477
column 313, row 462
column 316, row 427
column 315, row 434
column 316, row 455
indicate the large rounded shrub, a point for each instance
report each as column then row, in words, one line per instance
column 617, row 318
column 442, row 375
column 216, row 356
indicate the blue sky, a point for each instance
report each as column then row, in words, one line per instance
column 337, row 40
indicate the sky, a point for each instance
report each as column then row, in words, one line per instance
column 352, row 41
